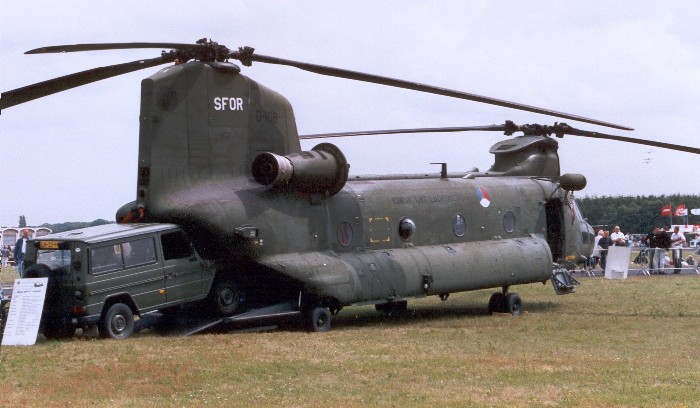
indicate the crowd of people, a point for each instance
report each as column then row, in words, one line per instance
column 659, row 241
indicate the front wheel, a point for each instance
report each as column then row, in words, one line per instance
column 118, row 322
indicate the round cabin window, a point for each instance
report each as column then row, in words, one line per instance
column 459, row 225
column 406, row 228
column 344, row 233
column 509, row 221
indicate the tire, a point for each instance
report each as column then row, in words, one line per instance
column 392, row 308
column 319, row 319
column 43, row 271
column 497, row 303
column 118, row 322
column 37, row 271
column 58, row 330
column 514, row 304
column 225, row 297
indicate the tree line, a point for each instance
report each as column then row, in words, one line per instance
column 636, row 214
column 68, row 226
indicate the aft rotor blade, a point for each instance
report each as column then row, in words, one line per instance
column 52, row 86
column 108, row 46
column 247, row 57
column 653, row 143
column 497, row 128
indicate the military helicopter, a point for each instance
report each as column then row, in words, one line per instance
column 219, row 154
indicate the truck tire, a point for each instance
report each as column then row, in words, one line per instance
column 225, row 297
column 58, row 330
column 118, row 322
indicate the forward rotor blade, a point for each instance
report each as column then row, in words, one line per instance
column 246, row 56
column 497, row 128
column 108, row 46
column 52, row 86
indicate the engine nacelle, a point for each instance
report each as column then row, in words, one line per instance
column 323, row 170
column 572, row 182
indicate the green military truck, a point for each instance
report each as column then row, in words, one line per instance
column 105, row 275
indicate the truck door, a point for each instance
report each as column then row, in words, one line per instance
column 183, row 274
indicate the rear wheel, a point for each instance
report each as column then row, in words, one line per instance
column 118, row 322
column 497, row 303
column 392, row 308
column 514, row 304
column 319, row 319
column 58, row 330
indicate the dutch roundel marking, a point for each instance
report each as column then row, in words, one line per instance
column 483, row 196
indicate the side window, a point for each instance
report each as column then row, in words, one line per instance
column 106, row 259
column 139, row 252
column 176, row 245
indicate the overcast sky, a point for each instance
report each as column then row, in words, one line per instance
column 73, row 156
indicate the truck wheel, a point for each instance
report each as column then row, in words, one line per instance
column 319, row 319
column 37, row 271
column 118, row 322
column 58, row 330
column 226, row 297
column 515, row 305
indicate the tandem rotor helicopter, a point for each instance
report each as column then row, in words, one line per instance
column 219, row 155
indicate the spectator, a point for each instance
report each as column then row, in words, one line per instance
column 595, row 257
column 663, row 243
column 20, row 250
column 650, row 242
column 677, row 242
column 5, row 253
column 604, row 244
column 617, row 237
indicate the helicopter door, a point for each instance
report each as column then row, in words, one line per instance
column 555, row 228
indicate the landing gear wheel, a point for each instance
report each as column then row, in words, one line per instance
column 225, row 297
column 319, row 319
column 118, row 322
column 392, row 308
column 514, row 304
column 497, row 303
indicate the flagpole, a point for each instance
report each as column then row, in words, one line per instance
column 671, row 216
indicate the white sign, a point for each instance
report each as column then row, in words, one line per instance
column 617, row 263
column 26, row 306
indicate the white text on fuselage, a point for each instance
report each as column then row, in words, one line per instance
column 226, row 103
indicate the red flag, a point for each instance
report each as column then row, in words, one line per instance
column 680, row 210
column 666, row 211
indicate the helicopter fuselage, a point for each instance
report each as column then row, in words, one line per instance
column 367, row 239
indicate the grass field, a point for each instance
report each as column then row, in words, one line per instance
column 633, row 342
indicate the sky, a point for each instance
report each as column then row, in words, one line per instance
column 72, row 156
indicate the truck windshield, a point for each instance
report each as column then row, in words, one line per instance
column 54, row 258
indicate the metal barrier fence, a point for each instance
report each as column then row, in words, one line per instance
column 641, row 262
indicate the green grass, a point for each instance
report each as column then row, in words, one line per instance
column 633, row 342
